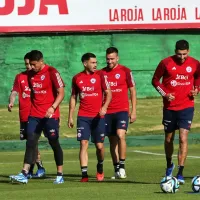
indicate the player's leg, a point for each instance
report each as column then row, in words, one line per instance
column 184, row 122
column 110, row 123
column 98, row 136
column 83, row 135
column 52, row 131
column 33, row 134
column 122, row 125
column 170, row 125
column 41, row 170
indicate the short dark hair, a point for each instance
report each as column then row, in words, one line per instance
column 27, row 55
column 35, row 55
column 111, row 50
column 87, row 56
column 182, row 45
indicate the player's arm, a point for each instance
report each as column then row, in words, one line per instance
column 72, row 103
column 12, row 98
column 57, row 83
column 108, row 95
column 133, row 104
column 160, row 70
column 133, row 97
column 13, row 94
column 196, row 88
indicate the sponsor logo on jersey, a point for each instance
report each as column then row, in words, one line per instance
column 112, row 83
column 93, row 80
column 189, row 69
column 24, row 95
column 37, row 85
column 88, row 89
column 181, row 77
column 174, row 68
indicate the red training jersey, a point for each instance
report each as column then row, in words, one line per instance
column 178, row 79
column 21, row 86
column 44, row 85
column 120, row 79
column 90, row 89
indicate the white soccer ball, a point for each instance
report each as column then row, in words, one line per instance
column 169, row 184
column 196, row 183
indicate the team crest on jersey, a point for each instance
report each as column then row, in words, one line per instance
column 117, row 76
column 93, row 80
column 42, row 77
column 188, row 69
column 173, row 83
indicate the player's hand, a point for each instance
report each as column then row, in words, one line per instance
column 70, row 123
column 49, row 113
column 10, row 105
column 132, row 117
column 194, row 92
column 170, row 96
column 102, row 111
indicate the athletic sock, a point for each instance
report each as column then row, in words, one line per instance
column 116, row 167
column 39, row 164
column 169, row 162
column 180, row 170
column 31, row 168
column 100, row 166
column 59, row 174
column 84, row 171
column 122, row 163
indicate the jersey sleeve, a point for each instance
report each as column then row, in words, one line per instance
column 104, row 82
column 129, row 78
column 75, row 90
column 16, row 86
column 197, row 76
column 160, row 70
column 56, row 79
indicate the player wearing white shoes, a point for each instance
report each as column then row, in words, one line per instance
column 121, row 81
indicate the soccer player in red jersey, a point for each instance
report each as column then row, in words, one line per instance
column 91, row 86
column 121, row 81
column 21, row 88
column 47, row 92
column 180, row 75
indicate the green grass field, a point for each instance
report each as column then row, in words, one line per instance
column 144, row 173
column 149, row 117
column 145, row 165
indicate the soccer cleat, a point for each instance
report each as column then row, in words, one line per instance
column 170, row 170
column 180, row 179
column 116, row 175
column 84, row 179
column 20, row 178
column 59, row 180
column 40, row 173
column 122, row 173
column 100, row 177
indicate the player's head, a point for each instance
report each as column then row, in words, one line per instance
column 26, row 62
column 112, row 57
column 182, row 50
column 89, row 61
column 36, row 60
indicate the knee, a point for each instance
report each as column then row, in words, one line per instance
column 99, row 146
column 169, row 140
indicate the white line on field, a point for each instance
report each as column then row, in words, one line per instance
column 159, row 154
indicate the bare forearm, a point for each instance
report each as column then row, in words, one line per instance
column 12, row 97
column 59, row 98
column 133, row 99
column 108, row 94
column 72, row 106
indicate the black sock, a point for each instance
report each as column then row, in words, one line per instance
column 122, row 163
column 59, row 174
column 169, row 162
column 24, row 172
column 39, row 164
column 100, row 166
column 31, row 168
column 84, row 171
column 116, row 167
column 180, row 170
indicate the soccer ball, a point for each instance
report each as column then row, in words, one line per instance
column 169, row 184
column 196, row 183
